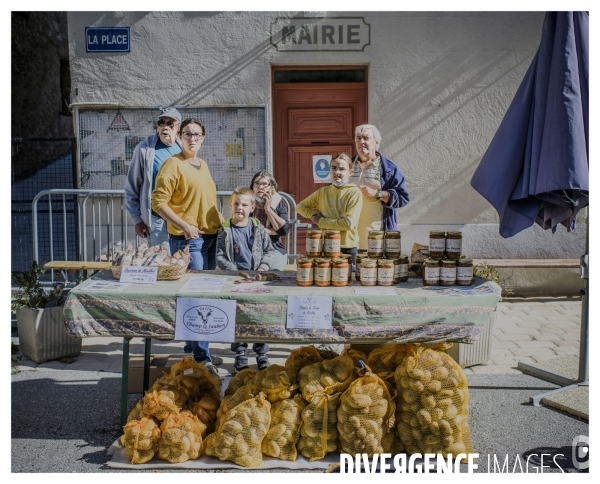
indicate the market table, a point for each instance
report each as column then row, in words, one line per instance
column 414, row 314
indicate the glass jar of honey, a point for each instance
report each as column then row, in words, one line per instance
column 304, row 272
column 437, row 244
column 375, row 243
column 401, row 269
column 359, row 258
column 332, row 243
column 348, row 257
column 339, row 272
column 448, row 273
column 464, row 272
column 322, row 272
column 314, row 243
column 453, row 245
column 431, row 272
column 385, row 272
column 368, row 272
column 392, row 244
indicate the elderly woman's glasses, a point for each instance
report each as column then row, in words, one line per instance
column 194, row 136
column 262, row 185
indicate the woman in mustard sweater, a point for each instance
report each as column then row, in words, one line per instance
column 186, row 197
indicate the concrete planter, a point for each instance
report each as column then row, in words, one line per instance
column 477, row 353
column 42, row 335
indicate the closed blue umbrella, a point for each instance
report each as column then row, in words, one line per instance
column 536, row 167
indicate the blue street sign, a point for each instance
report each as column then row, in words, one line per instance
column 107, row 39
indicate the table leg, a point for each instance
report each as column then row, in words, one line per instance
column 124, row 380
column 148, row 346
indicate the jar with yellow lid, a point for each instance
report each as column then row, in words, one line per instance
column 401, row 269
column 464, row 272
column 368, row 272
column 375, row 243
column 431, row 272
column 322, row 272
column 304, row 272
column 448, row 273
column 385, row 272
column 332, row 244
column 392, row 244
column 453, row 245
column 314, row 243
column 339, row 272
column 437, row 244
column 359, row 258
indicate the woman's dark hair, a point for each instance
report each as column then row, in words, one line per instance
column 268, row 176
column 192, row 121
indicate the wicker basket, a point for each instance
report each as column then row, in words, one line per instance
column 165, row 273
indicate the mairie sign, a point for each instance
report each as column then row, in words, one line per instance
column 107, row 39
column 320, row 34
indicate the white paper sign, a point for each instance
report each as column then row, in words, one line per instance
column 375, row 291
column 309, row 312
column 204, row 284
column 205, row 320
column 139, row 274
column 107, row 286
column 321, row 168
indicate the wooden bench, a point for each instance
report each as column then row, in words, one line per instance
column 73, row 266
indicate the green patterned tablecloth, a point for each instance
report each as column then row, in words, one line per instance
column 414, row 314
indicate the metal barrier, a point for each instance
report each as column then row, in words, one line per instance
column 104, row 227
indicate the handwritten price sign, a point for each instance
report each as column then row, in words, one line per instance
column 139, row 274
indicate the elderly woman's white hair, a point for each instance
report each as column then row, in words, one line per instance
column 362, row 127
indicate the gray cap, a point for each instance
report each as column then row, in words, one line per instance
column 170, row 113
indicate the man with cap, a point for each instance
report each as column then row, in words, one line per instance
column 147, row 159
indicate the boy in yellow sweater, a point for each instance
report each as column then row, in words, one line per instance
column 337, row 206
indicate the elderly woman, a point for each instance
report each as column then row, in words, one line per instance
column 381, row 183
column 272, row 212
column 186, row 197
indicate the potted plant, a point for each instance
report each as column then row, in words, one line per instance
column 40, row 323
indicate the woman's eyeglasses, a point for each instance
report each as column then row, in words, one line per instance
column 194, row 136
column 169, row 124
column 262, row 185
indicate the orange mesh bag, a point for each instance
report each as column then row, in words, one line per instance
column 327, row 377
column 299, row 358
column 284, row 431
column 356, row 356
column 365, row 417
column 318, row 433
column 240, row 379
column 181, row 437
column 433, row 402
column 231, row 401
column 275, row 383
column 207, row 382
column 160, row 404
column 169, row 383
column 386, row 358
column 138, row 412
column 240, row 432
column 206, row 410
column 140, row 439
column 327, row 354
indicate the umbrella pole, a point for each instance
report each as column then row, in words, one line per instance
column 583, row 376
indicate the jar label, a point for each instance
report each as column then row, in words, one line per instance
column 304, row 274
column 400, row 270
column 385, row 275
column 368, row 275
column 339, row 275
column 431, row 273
column 448, row 274
column 464, row 273
column 313, row 245
column 322, row 274
column 332, row 245
column 375, row 245
column 392, row 245
column 437, row 245
column 454, row 245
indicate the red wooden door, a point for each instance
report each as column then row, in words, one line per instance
column 313, row 118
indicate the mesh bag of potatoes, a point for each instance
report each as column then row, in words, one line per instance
column 275, row 383
column 140, row 439
column 326, row 377
column 161, row 403
column 205, row 408
column 240, row 379
column 386, row 358
column 433, row 402
column 208, row 384
column 301, row 357
column 242, row 394
column 365, row 416
column 356, row 356
column 240, row 432
column 138, row 412
column 284, row 432
column 318, row 433
column 328, row 354
column 181, row 437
